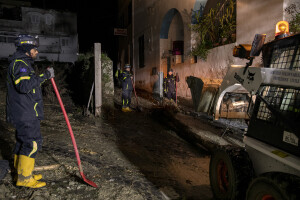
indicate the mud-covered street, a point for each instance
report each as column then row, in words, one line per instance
column 128, row 155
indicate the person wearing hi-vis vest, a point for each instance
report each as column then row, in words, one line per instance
column 24, row 109
column 127, row 87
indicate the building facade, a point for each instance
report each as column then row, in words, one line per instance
column 125, row 40
column 162, row 38
column 57, row 31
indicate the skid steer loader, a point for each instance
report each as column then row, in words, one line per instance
column 268, row 166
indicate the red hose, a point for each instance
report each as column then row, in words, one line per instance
column 137, row 102
column 176, row 87
column 71, row 134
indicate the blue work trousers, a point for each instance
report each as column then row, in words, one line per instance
column 28, row 138
column 126, row 98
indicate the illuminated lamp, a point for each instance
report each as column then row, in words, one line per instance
column 282, row 29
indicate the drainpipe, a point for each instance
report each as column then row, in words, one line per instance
column 132, row 40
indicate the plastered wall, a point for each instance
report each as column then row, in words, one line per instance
column 253, row 17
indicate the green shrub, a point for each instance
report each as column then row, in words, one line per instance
column 217, row 27
column 294, row 12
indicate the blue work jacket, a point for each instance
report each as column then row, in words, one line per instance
column 24, row 95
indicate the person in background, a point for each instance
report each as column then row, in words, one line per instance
column 117, row 75
column 127, row 87
column 170, row 85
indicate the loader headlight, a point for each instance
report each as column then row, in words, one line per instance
column 242, row 51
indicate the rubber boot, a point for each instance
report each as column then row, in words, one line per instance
column 124, row 109
column 36, row 176
column 25, row 178
column 128, row 109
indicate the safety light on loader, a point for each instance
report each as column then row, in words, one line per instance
column 282, row 29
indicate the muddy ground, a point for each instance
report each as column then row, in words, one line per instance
column 128, row 155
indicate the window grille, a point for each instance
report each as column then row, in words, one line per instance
column 263, row 112
column 296, row 65
column 286, row 58
column 35, row 19
column 11, row 39
column 2, row 39
column 285, row 100
column 49, row 19
column 7, row 39
column 64, row 42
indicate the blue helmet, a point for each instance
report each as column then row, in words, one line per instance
column 24, row 39
column 127, row 66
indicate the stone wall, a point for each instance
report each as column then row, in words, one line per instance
column 107, row 80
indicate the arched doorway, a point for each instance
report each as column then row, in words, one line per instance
column 171, row 40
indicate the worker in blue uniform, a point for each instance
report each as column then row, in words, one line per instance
column 127, row 87
column 24, row 108
column 170, row 85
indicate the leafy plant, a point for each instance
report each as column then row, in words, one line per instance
column 216, row 27
column 83, row 76
column 201, row 50
column 202, row 47
column 228, row 21
column 295, row 20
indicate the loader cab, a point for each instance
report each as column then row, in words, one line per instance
column 269, row 162
column 275, row 116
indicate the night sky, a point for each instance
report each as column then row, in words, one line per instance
column 95, row 20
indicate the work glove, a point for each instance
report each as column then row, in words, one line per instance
column 50, row 72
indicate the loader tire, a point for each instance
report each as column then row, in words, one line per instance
column 274, row 186
column 230, row 172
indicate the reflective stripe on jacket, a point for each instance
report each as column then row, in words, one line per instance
column 169, row 83
column 126, row 80
column 24, row 96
